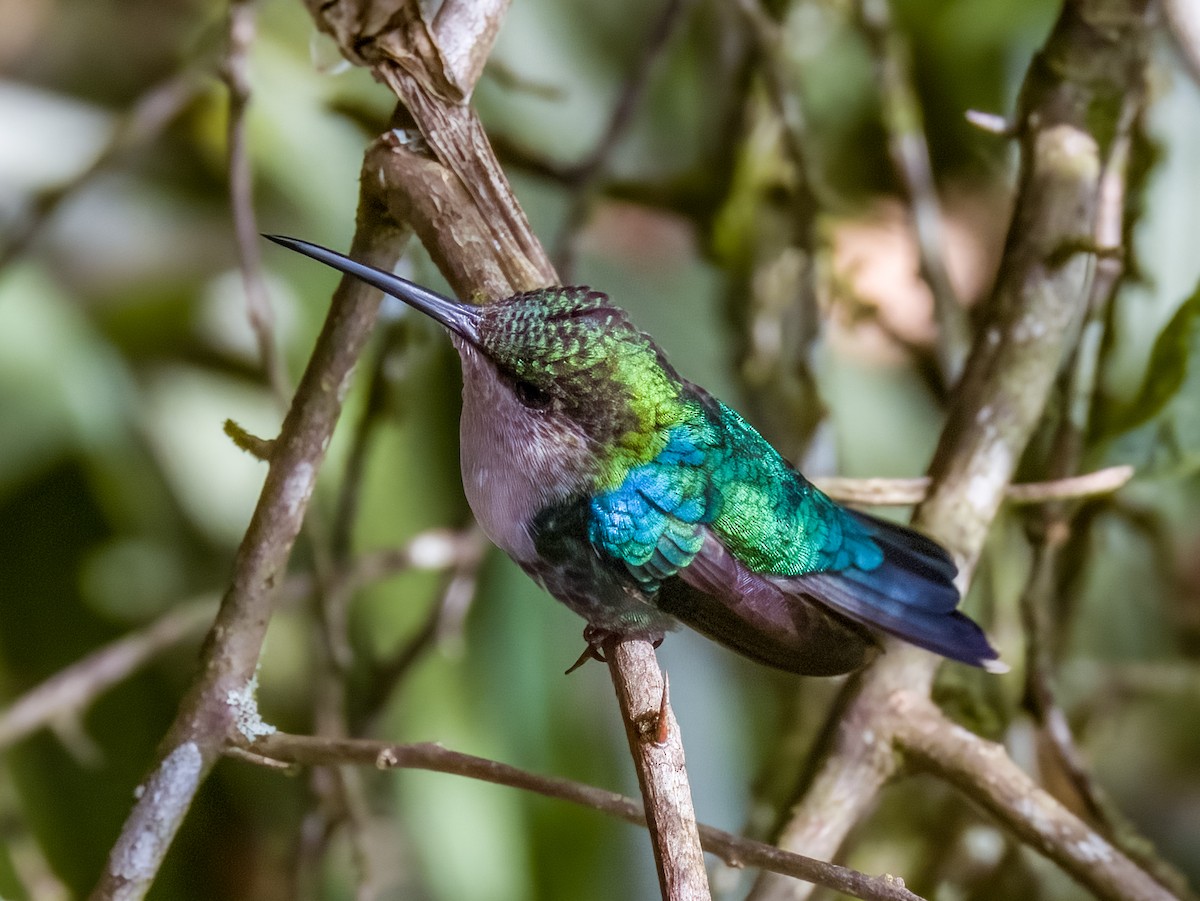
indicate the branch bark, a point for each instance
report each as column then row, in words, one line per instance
column 206, row 720
column 736, row 851
column 1068, row 119
column 657, row 749
column 984, row 772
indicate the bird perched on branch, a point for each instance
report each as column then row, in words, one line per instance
column 638, row 499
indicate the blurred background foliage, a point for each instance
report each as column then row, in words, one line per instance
column 124, row 346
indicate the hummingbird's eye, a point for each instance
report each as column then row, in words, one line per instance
column 531, row 395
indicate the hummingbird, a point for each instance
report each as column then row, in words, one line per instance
column 639, row 500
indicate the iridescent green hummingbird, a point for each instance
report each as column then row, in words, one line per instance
column 638, row 499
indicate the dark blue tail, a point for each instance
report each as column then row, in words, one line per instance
column 910, row 595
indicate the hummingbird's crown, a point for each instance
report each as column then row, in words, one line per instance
column 572, row 344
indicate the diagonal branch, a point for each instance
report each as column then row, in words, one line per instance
column 206, row 719
column 1096, row 54
column 69, row 691
column 985, row 773
column 735, row 850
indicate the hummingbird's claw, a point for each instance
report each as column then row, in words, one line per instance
column 589, row 653
column 595, row 638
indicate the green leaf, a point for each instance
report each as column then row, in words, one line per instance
column 1175, row 346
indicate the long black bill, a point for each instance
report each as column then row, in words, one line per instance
column 461, row 318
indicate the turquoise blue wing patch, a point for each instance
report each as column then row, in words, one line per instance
column 653, row 521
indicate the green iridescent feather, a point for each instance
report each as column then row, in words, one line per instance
column 715, row 469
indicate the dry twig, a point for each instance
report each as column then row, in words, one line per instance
column 734, row 850
column 72, row 690
column 902, row 492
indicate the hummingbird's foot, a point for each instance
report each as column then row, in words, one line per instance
column 589, row 653
column 596, row 638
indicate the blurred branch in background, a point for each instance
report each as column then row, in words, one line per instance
column 235, row 71
column 69, row 693
column 1183, row 19
column 310, row 751
column 766, row 235
column 583, row 176
column 141, row 126
column 910, row 156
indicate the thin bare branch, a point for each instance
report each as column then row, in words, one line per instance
column 444, row 620
column 736, row 851
column 71, row 691
column 642, row 693
column 235, row 71
column 903, row 492
column 1102, row 481
column 149, row 116
column 904, row 123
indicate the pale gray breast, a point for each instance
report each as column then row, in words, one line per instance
column 515, row 461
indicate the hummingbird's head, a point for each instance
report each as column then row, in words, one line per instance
column 571, row 353
column 559, row 365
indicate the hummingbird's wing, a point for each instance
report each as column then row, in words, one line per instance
column 657, row 528
column 814, row 623
column 721, row 597
column 652, row 523
column 727, row 537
